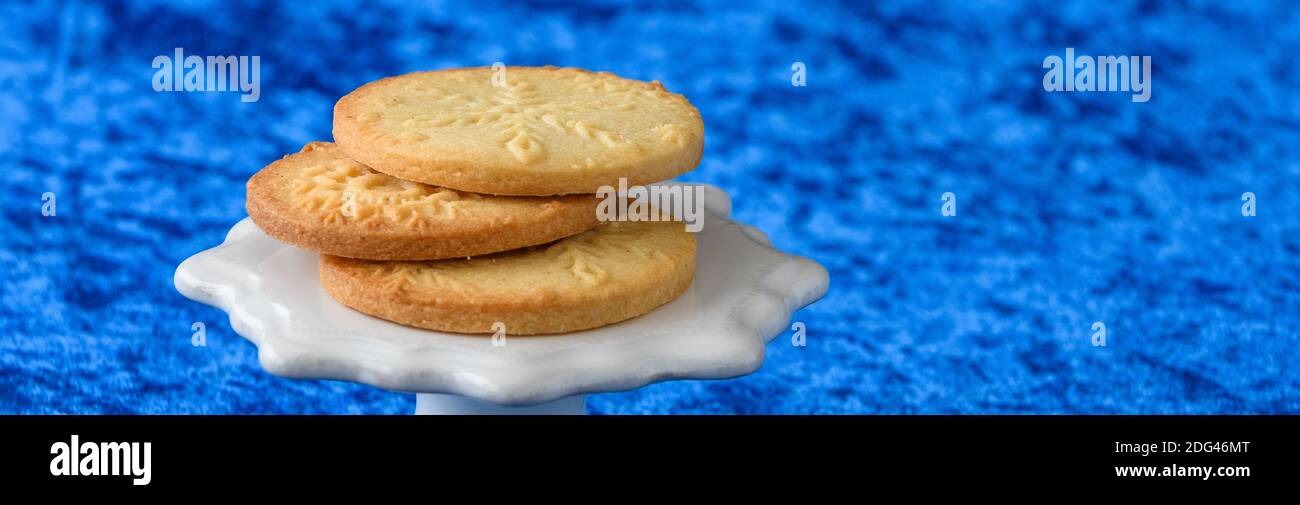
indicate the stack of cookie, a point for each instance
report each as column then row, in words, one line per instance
column 462, row 200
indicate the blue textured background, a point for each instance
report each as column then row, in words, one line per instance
column 1073, row 208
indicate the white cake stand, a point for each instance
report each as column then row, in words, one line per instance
column 743, row 296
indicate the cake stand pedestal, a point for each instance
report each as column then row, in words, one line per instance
column 743, row 295
column 433, row 403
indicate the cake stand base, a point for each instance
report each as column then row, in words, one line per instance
column 443, row 404
column 743, row 295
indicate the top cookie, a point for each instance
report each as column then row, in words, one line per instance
column 521, row 130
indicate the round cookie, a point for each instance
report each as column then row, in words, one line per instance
column 615, row 271
column 320, row 200
column 520, row 130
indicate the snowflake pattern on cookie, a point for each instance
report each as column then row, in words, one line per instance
column 516, row 112
column 590, row 259
column 344, row 190
column 525, row 131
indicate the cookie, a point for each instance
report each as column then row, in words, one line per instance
column 320, row 200
column 531, row 131
column 615, row 271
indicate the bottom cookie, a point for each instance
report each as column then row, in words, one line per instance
column 613, row 272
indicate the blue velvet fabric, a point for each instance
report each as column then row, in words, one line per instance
column 1072, row 208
